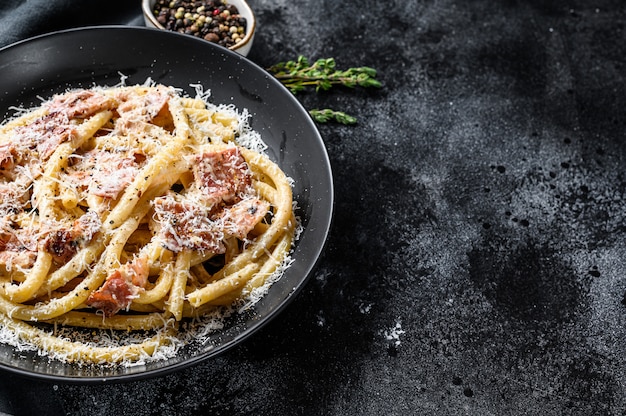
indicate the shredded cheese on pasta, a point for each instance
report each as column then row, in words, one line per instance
column 133, row 219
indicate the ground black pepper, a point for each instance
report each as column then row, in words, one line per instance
column 212, row 20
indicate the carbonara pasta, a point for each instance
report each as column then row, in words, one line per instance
column 131, row 210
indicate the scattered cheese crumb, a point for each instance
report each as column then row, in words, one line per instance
column 394, row 333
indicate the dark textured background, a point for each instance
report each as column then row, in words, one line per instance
column 476, row 263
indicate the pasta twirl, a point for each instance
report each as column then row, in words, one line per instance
column 132, row 208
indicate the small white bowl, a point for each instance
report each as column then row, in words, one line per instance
column 242, row 6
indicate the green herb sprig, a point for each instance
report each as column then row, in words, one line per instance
column 323, row 75
column 326, row 115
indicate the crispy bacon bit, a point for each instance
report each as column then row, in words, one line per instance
column 187, row 225
column 222, row 175
column 44, row 134
column 138, row 271
column 221, row 206
column 120, row 287
column 13, row 198
column 87, row 225
column 103, row 173
column 63, row 244
column 141, row 108
column 17, row 247
column 116, row 294
column 81, row 104
column 110, row 184
column 7, row 156
column 241, row 218
column 24, row 258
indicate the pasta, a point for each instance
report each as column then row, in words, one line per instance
column 132, row 209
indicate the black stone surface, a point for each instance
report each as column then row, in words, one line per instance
column 476, row 263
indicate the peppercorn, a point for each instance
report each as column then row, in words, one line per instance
column 212, row 20
column 212, row 37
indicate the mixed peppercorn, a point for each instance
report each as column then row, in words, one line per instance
column 212, row 20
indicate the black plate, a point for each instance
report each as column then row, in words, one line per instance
column 42, row 66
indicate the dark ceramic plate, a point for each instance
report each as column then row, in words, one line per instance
column 42, row 66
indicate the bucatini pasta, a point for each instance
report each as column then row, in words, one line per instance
column 131, row 210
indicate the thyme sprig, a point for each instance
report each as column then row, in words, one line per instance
column 323, row 75
column 325, row 115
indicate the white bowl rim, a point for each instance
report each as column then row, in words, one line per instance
column 146, row 6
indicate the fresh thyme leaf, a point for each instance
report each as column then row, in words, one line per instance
column 322, row 74
column 326, row 115
column 297, row 75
